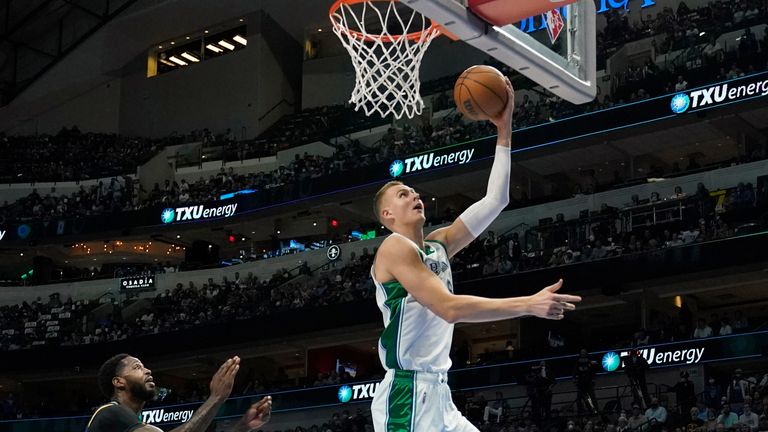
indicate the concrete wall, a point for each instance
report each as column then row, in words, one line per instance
column 231, row 91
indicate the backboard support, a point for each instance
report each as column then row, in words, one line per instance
column 569, row 71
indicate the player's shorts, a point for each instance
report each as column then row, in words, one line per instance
column 416, row 401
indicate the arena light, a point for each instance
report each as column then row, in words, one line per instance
column 167, row 63
column 226, row 45
column 214, row 48
column 178, row 61
column 241, row 40
column 190, row 57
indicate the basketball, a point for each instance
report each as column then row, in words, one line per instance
column 480, row 93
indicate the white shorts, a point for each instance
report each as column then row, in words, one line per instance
column 408, row 401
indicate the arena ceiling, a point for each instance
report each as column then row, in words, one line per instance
column 37, row 34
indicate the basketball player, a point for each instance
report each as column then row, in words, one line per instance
column 414, row 291
column 129, row 385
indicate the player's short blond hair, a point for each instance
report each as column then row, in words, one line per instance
column 380, row 194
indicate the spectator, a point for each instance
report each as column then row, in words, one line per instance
column 702, row 330
column 656, row 412
column 694, row 421
column 713, row 52
column 681, row 84
column 727, row 418
column 505, row 265
column 622, row 423
column 749, row 418
column 739, row 388
column 685, row 393
column 555, row 340
column 490, row 242
column 491, row 267
column 637, row 419
column 725, row 327
column 740, row 322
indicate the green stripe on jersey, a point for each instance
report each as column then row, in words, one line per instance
column 401, row 402
column 390, row 337
column 440, row 243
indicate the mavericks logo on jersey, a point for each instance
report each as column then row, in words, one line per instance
column 435, row 266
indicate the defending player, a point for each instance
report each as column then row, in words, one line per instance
column 129, row 385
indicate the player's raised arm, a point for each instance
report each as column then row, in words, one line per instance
column 404, row 265
column 476, row 219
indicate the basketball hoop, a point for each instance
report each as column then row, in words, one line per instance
column 386, row 44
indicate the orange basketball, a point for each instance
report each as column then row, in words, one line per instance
column 480, row 93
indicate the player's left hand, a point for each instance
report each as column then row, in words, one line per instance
column 256, row 416
column 504, row 120
column 548, row 304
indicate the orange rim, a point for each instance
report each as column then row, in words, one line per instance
column 415, row 36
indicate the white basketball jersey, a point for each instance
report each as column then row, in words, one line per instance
column 414, row 338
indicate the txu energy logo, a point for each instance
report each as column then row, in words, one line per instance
column 611, row 361
column 713, row 95
column 161, row 416
column 345, row 394
column 655, row 357
column 429, row 160
column 396, row 168
column 170, row 215
column 680, row 103
column 357, row 392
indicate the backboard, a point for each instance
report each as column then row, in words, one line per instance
column 567, row 68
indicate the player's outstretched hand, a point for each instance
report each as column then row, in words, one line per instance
column 256, row 416
column 222, row 381
column 548, row 304
column 504, row 120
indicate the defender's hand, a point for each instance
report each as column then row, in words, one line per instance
column 222, row 381
column 256, row 416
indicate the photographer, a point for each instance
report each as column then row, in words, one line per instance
column 584, row 375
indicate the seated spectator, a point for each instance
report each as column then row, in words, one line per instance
column 678, row 193
column 694, row 421
column 622, row 423
column 740, row 322
column 555, row 340
column 713, row 52
column 725, row 327
column 491, row 267
column 749, row 418
column 656, row 412
column 702, row 329
column 637, row 419
column 505, row 265
column 681, row 84
column 727, row 418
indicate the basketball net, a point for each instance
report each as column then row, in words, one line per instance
column 386, row 64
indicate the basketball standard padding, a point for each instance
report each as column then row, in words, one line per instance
column 503, row 12
column 480, row 93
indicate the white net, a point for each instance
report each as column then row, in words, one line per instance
column 386, row 42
